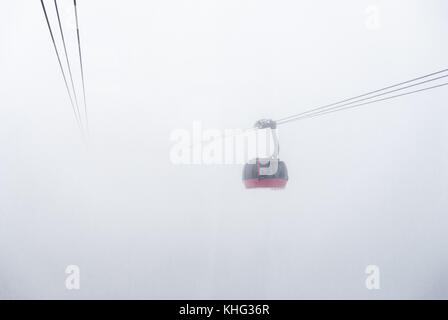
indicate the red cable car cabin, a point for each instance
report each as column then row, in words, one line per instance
column 266, row 172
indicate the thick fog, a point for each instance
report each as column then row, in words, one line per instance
column 366, row 186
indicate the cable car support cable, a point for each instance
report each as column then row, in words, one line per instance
column 81, row 65
column 60, row 65
column 67, row 59
column 337, row 105
column 367, row 103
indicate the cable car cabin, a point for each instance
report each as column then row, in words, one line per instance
column 266, row 172
column 254, row 177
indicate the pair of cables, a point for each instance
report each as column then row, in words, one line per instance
column 409, row 87
column 405, row 88
column 81, row 120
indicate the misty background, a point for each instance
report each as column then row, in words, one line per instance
column 367, row 186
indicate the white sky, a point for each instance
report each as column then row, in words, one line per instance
column 367, row 186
